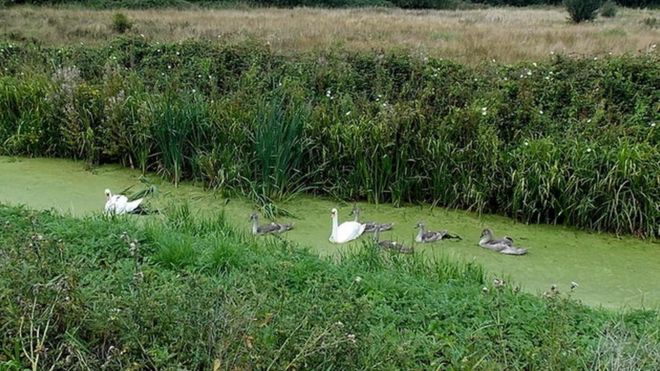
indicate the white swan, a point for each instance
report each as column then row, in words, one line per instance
column 119, row 204
column 345, row 232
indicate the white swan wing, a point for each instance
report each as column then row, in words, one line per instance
column 348, row 231
column 131, row 206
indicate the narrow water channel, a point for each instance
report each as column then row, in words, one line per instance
column 613, row 272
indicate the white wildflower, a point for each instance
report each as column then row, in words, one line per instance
column 588, row 150
column 653, row 125
column 534, row 64
column 358, row 279
column 348, row 113
column 541, row 112
column 177, row 53
column 526, row 143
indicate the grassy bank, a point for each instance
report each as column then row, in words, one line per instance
column 569, row 141
column 187, row 293
column 470, row 37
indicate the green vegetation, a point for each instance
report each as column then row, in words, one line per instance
column 186, row 293
column 608, row 9
column 582, row 10
column 121, row 23
column 568, row 141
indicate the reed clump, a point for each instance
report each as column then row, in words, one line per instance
column 571, row 141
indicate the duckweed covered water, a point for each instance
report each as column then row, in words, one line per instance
column 611, row 271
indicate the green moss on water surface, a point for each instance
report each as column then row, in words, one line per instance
column 615, row 272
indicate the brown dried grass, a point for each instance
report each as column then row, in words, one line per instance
column 469, row 36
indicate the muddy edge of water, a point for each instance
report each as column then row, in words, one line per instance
column 613, row 272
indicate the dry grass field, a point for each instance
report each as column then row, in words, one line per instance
column 470, row 36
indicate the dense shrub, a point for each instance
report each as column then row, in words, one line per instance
column 608, row 9
column 121, row 23
column 568, row 141
column 582, row 10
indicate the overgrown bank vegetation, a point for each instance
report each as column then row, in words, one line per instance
column 569, row 141
column 185, row 293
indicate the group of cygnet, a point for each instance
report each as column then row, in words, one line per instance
column 351, row 230
column 344, row 232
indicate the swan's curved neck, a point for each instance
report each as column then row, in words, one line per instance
column 255, row 225
column 420, row 234
column 335, row 223
column 357, row 215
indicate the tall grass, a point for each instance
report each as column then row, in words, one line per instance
column 195, row 294
column 572, row 141
column 472, row 37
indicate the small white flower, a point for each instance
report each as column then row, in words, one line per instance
column 210, row 77
column 348, row 113
column 526, row 143
column 351, row 338
column 199, row 76
column 547, row 77
column 595, row 58
column 521, row 76
column 588, row 150
column 552, row 52
column 358, row 279
column 506, row 79
column 588, row 121
column 484, row 289
column 529, row 73
column 279, row 84
column 142, row 35
column 534, row 64
column 384, row 104
column 484, row 108
column 653, row 125
column 158, row 51
column 493, row 60
column 541, row 112
column 177, row 53
column 169, row 67
column 194, row 91
column 484, row 113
